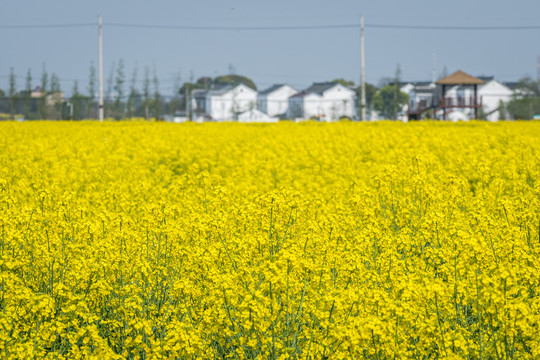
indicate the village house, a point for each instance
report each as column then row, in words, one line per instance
column 323, row 101
column 459, row 96
column 224, row 103
column 274, row 101
column 422, row 96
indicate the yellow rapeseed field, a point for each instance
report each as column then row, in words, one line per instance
column 136, row 240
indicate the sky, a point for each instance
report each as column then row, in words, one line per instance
column 296, row 57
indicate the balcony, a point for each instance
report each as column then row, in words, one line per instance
column 460, row 102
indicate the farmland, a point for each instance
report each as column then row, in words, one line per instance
column 283, row 241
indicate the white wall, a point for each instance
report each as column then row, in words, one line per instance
column 492, row 94
column 276, row 102
column 223, row 107
column 312, row 106
column 335, row 103
column 339, row 101
column 295, row 107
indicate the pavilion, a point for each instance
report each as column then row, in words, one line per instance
column 459, row 78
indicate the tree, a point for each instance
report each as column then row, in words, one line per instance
column 388, row 100
column 502, row 110
column 385, row 81
column 108, row 94
column 92, row 81
column 346, row 83
column 12, row 93
column 371, row 90
column 27, row 108
column 77, row 100
column 42, row 106
column 119, row 89
column 91, row 89
column 204, row 82
column 201, row 83
column 397, row 80
column 44, row 79
column 146, row 92
column 528, row 87
column 174, row 104
column 56, row 95
column 523, row 108
column 132, row 93
column 234, row 80
column 526, row 100
column 156, row 104
column 55, row 83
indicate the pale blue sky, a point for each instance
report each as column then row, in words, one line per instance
column 296, row 57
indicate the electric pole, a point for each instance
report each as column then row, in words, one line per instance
column 434, row 68
column 362, row 70
column 188, row 118
column 100, row 71
column 538, row 68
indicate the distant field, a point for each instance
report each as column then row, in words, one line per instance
column 285, row 241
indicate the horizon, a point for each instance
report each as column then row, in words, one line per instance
column 267, row 47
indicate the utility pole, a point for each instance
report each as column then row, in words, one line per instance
column 362, row 70
column 100, row 71
column 538, row 68
column 187, row 102
column 434, row 68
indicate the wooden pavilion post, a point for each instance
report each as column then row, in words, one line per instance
column 475, row 102
column 460, row 78
column 444, row 101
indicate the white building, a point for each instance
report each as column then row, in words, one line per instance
column 224, row 103
column 255, row 115
column 422, row 96
column 275, row 100
column 426, row 96
column 490, row 94
column 324, row 101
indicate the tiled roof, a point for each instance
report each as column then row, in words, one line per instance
column 460, row 78
column 220, row 89
column 320, row 88
column 299, row 95
column 486, row 78
column 271, row 89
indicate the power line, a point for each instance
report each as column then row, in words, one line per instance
column 313, row 27
column 232, row 28
column 46, row 26
column 428, row 27
column 292, row 27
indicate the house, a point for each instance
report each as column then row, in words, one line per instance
column 490, row 94
column 324, row 101
column 457, row 97
column 225, row 102
column 198, row 102
column 275, row 100
column 51, row 98
column 422, row 96
column 255, row 115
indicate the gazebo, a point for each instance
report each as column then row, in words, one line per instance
column 462, row 79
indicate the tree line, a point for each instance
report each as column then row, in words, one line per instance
column 124, row 99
